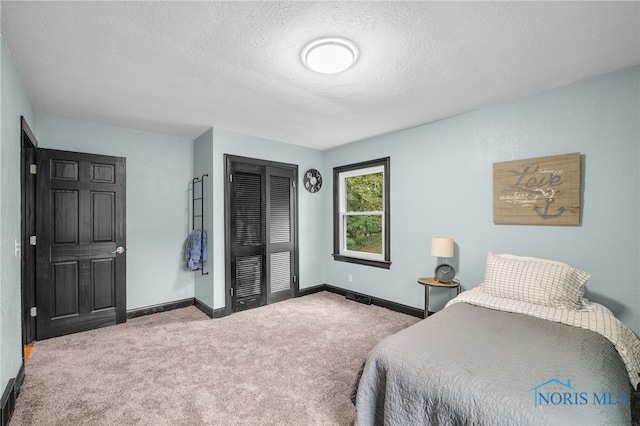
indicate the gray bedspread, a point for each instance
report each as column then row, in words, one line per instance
column 478, row 366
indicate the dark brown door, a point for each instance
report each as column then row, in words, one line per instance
column 81, row 242
column 261, row 242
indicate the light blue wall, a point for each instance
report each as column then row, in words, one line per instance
column 441, row 184
column 159, row 173
column 311, row 252
column 13, row 103
column 203, row 164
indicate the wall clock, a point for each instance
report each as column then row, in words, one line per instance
column 312, row 180
column 444, row 273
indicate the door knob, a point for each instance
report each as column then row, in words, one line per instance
column 119, row 250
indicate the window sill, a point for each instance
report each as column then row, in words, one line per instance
column 385, row 264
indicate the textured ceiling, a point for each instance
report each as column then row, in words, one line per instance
column 181, row 67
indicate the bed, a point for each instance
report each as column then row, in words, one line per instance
column 492, row 356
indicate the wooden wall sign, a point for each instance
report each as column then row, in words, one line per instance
column 537, row 191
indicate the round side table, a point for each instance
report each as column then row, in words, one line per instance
column 432, row 282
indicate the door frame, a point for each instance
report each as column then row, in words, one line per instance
column 28, row 151
column 228, row 159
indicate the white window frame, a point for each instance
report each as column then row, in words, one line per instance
column 344, row 214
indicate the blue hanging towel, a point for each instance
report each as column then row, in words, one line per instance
column 195, row 250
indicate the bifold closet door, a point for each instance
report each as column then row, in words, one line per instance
column 280, row 233
column 261, row 233
column 247, row 235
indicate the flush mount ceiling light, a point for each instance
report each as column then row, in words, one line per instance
column 329, row 55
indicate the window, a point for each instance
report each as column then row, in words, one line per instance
column 361, row 213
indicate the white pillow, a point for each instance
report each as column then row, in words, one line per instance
column 534, row 280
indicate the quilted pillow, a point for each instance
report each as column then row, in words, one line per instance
column 534, row 280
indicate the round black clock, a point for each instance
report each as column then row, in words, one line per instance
column 444, row 273
column 312, row 180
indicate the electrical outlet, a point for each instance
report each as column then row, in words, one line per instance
column 350, row 278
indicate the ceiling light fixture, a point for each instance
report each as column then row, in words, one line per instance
column 329, row 55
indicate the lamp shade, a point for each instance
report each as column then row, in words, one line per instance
column 442, row 246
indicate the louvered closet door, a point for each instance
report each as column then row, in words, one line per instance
column 280, row 233
column 247, row 237
column 261, row 236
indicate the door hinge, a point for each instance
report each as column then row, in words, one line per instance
column 231, row 291
column 32, row 240
column 293, row 182
column 34, row 311
column 295, row 279
column 230, row 177
column 33, row 168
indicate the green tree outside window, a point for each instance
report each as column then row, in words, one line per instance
column 364, row 207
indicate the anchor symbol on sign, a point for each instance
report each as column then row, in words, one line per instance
column 545, row 215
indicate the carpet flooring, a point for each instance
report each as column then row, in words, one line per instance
column 290, row 363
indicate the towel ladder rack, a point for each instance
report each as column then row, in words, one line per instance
column 198, row 181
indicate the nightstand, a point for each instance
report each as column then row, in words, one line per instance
column 432, row 282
